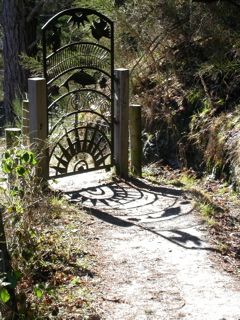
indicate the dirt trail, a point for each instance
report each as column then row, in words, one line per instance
column 153, row 255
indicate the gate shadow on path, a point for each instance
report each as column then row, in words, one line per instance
column 159, row 210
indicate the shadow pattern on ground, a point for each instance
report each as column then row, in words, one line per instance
column 126, row 203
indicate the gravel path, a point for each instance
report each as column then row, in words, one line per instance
column 154, row 260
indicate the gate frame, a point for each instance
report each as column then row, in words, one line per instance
column 73, row 13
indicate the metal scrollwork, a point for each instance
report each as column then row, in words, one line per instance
column 78, row 61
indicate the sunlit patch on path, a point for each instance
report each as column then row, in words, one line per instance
column 161, row 210
column 152, row 254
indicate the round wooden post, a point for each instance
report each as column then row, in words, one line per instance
column 37, row 91
column 136, row 139
column 121, row 117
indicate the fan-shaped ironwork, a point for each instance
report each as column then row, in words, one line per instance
column 80, row 149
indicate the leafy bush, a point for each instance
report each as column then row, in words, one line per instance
column 24, row 207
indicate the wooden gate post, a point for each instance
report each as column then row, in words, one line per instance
column 136, row 139
column 37, row 92
column 121, row 118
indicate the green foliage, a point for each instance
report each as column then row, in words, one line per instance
column 184, row 63
column 17, row 165
column 37, row 255
column 206, row 209
column 4, row 295
column 195, row 97
column 15, row 156
column 38, row 290
column 103, row 6
column 12, row 278
column 31, row 64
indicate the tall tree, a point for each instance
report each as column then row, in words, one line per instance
column 19, row 36
column 13, row 44
column 20, row 25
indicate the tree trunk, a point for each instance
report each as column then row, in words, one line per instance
column 20, row 23
column 14, row 43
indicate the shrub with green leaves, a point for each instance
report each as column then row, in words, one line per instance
column 20, row 166
column 25, row 211
column 16, row 236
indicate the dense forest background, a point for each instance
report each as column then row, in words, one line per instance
column 184, row 62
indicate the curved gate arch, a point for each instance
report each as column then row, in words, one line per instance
column 78, row 59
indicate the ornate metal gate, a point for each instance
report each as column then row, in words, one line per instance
column 78, row 61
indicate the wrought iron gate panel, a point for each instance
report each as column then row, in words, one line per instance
column 78, row 57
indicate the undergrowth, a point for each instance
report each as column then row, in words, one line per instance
column 217, row 203
column 184, row 66
column 43, row 275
